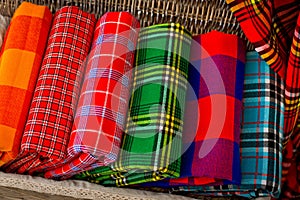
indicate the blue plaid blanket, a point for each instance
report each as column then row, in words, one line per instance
column 261, row 136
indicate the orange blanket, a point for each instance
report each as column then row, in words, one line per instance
column 20, row 62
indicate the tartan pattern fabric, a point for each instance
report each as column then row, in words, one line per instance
column 273, row 28
column 21, row 59
column 291, row 186
column 50, row 119
column 103, row 104
column 291, row 177
column 261, row 135
column 151, row 146
column 216, row 76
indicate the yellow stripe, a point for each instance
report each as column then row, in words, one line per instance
column 296, row 53
column 229, row 1
column 257, row 11
column 272, row 60
column 237, row 7
column 7, row 137
column 255, row 1
column 292, row 101
column 16, row 72
column 288, row 108
column 168, row 116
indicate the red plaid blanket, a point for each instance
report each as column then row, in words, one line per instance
column 102, row 108
column 52, row 110
column 273, row 28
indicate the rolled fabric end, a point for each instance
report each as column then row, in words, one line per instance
column 21, row 59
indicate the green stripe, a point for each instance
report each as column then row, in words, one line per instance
column 151, row 147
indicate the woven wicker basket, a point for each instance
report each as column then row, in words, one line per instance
column 198, row 16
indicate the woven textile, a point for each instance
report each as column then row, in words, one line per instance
column 103, row 104
column 151, row 147
column 261, row 136
column 273, row 29
column 52, row 110
column 291, row 186
column 291, row 177
column 211, row 137
column 21, row 59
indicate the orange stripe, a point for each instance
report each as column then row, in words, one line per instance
column 237, row 7
column 24, row 33
column 16, row 75
column 6, row 157
column 7, row 134
column 29, row 9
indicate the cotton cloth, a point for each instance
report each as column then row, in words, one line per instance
column 261, row 134
column 21, row 59
column 52, row 110
column 291, row 156
column 103, row 104
column 273, row 29
column 152, row 143
column 211, row 133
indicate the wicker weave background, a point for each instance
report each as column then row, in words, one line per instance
column 198, row 16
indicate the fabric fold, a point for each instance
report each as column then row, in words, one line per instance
column 291, row 156
column 211, row 133
column 21, row 58
column 52, row 110
column 103, row 104
column 152, row 142
column 273, row 29
column 261, row 135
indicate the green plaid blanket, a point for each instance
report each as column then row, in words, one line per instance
column 151, row 147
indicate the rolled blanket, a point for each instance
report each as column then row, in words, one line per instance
column 51, row 113
column 151, row 146
column 273, row 27
column 21, row 59
column 291, row 154
column 103, row 104
column 261, row 134
column 211, row 133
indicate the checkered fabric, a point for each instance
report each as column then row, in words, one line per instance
column 291, row 158
column 261, row 136
column 51, row 114
column 291, row 186
column 211, row 137
column 273, row 29
column 21, row 59
column 151, row 147
column 103, row 104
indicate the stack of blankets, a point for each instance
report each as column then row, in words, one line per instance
column 155, row 107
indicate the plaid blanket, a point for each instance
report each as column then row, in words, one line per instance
column 291, row 186
column 261, row 135
column 211, row 137
column 103, row 104
column 291, row 157
column 21, row 59
column 151, row 147
column 273, row 28
column 52, row 110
